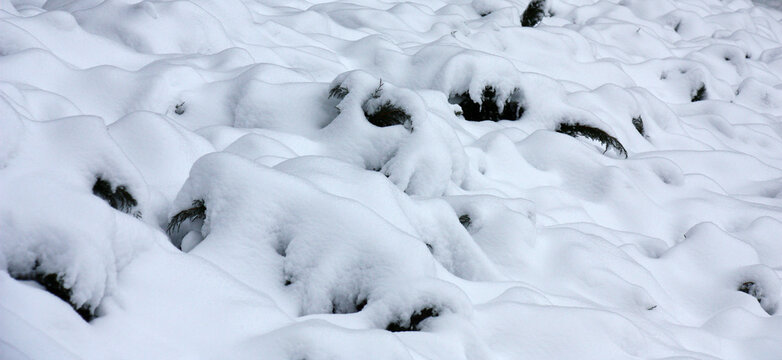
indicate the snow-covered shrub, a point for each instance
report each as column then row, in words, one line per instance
column 262, row 104
column 412, row 304
column 490, row 107
column 75, row 255
column 503, row 229
column 762, row 283
column 421, row 162
column 576, row 129
column 258, row 231
column 534, row 13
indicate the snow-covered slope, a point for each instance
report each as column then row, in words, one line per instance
column 239, row 179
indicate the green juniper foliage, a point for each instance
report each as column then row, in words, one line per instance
column 197, row 212
column 119, row 198
column 590, row 132
column 338, row 92
column 488, row 109
column 388, row 113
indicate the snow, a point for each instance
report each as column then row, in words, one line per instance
column 308, row 232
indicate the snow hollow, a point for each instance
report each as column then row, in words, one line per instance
column 381, row 179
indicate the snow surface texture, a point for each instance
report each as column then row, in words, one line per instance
column 235, row 179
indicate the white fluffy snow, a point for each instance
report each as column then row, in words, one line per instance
column 490, row 240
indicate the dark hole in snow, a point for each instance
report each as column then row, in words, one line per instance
column 727, row 58
column 652, row 307
column 747, row 56
column 590, row 132
column 54, row 285
column 413, row 324
column 179, row 109
column 281, row 248
column 361, row 304
column 465, row 220
column 488, row 109
column 197, row 212
column 638, row 123
column 348, row 307
column 677, row 26
column 431, row 249
column 484, row 14
column 119, row 198
column 699, row 94
column 534, row 13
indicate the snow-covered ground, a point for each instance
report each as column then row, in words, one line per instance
column 206, row 179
